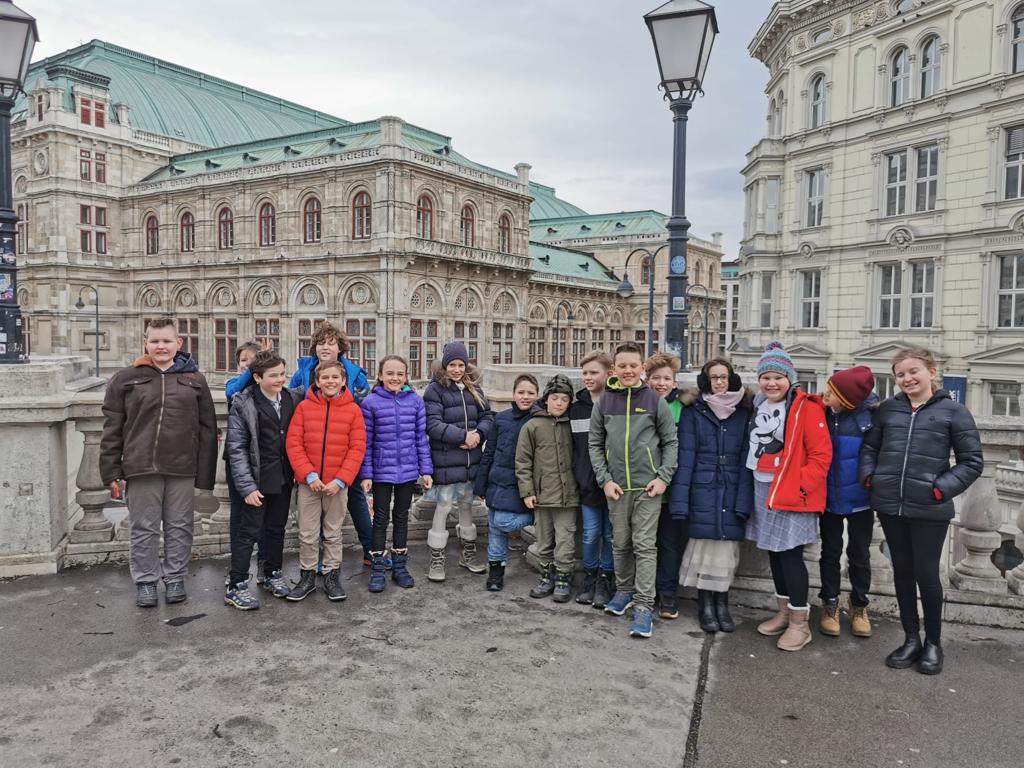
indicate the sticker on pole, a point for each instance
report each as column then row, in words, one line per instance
column 678, row 303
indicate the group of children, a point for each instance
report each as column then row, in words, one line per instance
column 664, row 484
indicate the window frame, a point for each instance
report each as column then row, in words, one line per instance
column 930, row 74
column 85, row 110
column 99, row 114
column 815, row 202
column 84, row 165
column 225, row 341
column 923, row 299
column 267, row 224
column 893, row 297
column 896, row 192
column 225, row 228
column 1017, row 40
column 766, row 302
column 362, row 215
column 312, row 220
column 151, row 228
column 1010, row 409
column 1014, row 161
column 100, row 168
column 504, row 233
column 425, row 217
column 187, row 232
column 929, row 181
column 1014, row 293
column 819, row 102
column 899, row 77
column 467, row 226
column 810, row 304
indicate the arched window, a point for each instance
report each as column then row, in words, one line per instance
column 466, row 226
column 1017, row 40
column 268, row 224
column 931, row 63
column 780, row 117
column 773, row 123
column 152, row 236
column 188, row 232
column 311, row 221
column 362, row 217
column 899, row 78
column 225, row 228
column 505, row 233
column 818, row 101
column 645, row 271
column 425, row 218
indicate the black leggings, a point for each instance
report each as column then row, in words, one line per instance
column 789, row 571
column 915, row 547
column 382, row 493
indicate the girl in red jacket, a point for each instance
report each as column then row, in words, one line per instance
column 326, row 444
column 790, row 453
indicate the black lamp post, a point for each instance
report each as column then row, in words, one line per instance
column 625, row 290
column 707, row 332
column 683, row 32
column 96, row 331
column 559, row 345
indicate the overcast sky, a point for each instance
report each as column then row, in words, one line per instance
column 568, row 86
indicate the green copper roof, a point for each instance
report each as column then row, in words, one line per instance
column 552, row 260
column 545, row 205
column 622, row 224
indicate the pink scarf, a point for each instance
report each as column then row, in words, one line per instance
column 724, row 405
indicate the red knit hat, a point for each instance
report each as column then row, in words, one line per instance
column 852, row 386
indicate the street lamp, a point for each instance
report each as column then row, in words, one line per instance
column 625, row 290
column 683, row 32
column 559, row 345
column 96, row 332
column 707, row 300
column 18, row 36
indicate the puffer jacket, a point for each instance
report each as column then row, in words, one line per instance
column 396, row 436
column 242, row 444
column 452, row 412
column 159, row 423
column 846, row 495
column 712, row 489
column 906, row 457
column 544, row 461
column 355, row 376
column 327, row 437
column 496, row 477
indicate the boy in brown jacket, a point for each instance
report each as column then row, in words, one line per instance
column 160, row 437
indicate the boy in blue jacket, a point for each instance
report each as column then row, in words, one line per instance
column 850, row 402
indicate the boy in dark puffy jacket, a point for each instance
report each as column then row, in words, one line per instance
column 850, row 403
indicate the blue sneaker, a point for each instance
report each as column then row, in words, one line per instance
column 620, row 603
column 275, row 583
column 241, row 598
column 643, row 621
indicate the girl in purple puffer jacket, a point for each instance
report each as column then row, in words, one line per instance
column 397, row 454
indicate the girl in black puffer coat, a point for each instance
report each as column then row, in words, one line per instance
column 905, row 463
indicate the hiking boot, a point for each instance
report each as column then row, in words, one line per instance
column 174, row 592
column 905, row 656
column 145, row 594
column 332, row 586
column 620, row 603
column 667, row 607
column 378, row 577
column 468, row 559
column 830, row 618
column 586, row 594
column 798, row 633
column 436, row 570
column 305, row 586
column 261, row 571
column 706, row 611
column 241, row 598
column 725, row 622
column 275, row 583
column 546, row 585
column 603, row 589
column 860, row 624
column 495, row 576
column 777, row 624
column 643, row 623
column 400, row 570
column 930, row 660
column 563, row 587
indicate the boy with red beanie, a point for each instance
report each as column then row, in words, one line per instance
column 850, row 404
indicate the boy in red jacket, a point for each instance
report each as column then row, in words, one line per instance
column 326, row 443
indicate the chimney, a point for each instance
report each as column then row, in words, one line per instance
column 716, row 238
column 523, row 171
column 390, row 130
column 122, row 113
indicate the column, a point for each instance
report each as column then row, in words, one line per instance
column 979, row 532
column 1016, row 576
column 92, row 494
column 220, row 517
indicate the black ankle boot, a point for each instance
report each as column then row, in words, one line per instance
column 706, row 611
column 305, row 586
column 930, row 660
column 905, row 656
column 495, row 576
column 725, row 622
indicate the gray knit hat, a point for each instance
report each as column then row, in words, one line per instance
column 560, row 384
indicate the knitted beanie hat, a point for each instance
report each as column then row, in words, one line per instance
column 852, row 386
column 454, row 350
column 558, row 384
column 775, row 359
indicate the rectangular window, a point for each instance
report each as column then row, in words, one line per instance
column 896, row 184
column 100, row 114
column 1015, row 163
column 597, row 338
column 771, row 206
column 810, row 299
column 766, row 301
column 22, row 243
column 1005, row 398
column 922, row 294
column 85, row 165
column 39, row 107
column 101, row 216
column 890, row 295
column 188, row 329
column 362, row 337
column 1011, row 291
column 468, row 333
column 926, row 182
column 86, row 239
column 815, row 197
column 615, row 336
column 501, row 343
column 84, row 214
column 304, row 337
column 885, row 386
column 269, row 329
column 101, row 242
column 101, row 167
column 807, row 381
column 225, row 340
column 536, row 347
column 85, row 111
column 579, row 345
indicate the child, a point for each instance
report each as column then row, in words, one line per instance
column 496, row 478
column 397, row 453
column 905, row 462
column 789, row 452
column 326, row 443
column 634, row 449
column 547, row 486
column 598, row 566
column 459, row 420
column 255, row 449
column 850, row 403
column 244, row 354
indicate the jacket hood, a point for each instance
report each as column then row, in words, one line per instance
column 520, row 413
column 542, row 414
column 314, row 394
column 940, row 394
column 618, row 386
column 183, row 363
column 380, row 389
column 310, row 362
column 584, row 396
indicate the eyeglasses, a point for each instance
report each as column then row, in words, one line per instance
column 719, row 378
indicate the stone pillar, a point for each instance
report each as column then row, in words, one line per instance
column 1015, row 578
column 979, row 532
column 92, row 494
column 423, row 508
column 219, row 520
column 881, row 566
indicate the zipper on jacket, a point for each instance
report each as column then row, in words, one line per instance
column 160, row 418
column 789, row 455
column 650, row 457
column 906, row 456
column 465, row 413
column 323, row 451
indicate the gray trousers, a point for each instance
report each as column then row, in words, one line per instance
column 634, row 544
column 155, row 501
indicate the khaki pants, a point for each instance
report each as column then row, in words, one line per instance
column 319, row 511
column 556, row 536
column 635, row 544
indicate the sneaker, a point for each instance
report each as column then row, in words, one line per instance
column 305, row 586
column 603, row 589
column 332, row 586
column 241, row 598
column 145, row 594
column 667, row 608
column 174, row 592
column 643, row 623
column 620, row 603
column 261, row 567
column 274, row 583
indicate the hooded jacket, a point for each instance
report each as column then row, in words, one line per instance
column 544, row 461
column 847, row 429
column 496, row 477
column 906, row 457
column 397, row 450
column 591, row 494
column 326, row 437
column 452, row 412
column 159, row 423
column 242, row 444
column 355, row 377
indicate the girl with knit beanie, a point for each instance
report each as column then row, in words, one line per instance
column 789, row 453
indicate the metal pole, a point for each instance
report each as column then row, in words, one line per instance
column 650, row 311
column 96, row 332
column 677, row 319
column 557, row 307
column 12, row 349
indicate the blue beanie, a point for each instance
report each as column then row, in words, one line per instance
column 775, row 359
column 454, row 350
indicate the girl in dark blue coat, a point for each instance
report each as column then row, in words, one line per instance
column 712, row 489
column 496, row 478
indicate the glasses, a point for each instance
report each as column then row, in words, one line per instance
column 719, row 378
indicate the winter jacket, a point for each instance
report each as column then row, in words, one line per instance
column 355, row 376
column 544, row 461
column 632, row 438
column 159, row 423
column 847, row 429
column 712, row 489
column 801, row 482
column 906, row 457
column 242, row 444
column 396, row 436
column 451, row 414
column 496, row 477
column 591, row 494
column 326, row 437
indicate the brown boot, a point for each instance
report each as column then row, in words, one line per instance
column 777, row 624
column 860, row 624
column 798, row 633
column 830, row 618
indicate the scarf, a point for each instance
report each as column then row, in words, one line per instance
column 724, row 405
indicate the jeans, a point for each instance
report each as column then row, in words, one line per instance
column 672, row 538
column 382, row 495
column 789, row 571
column 499, row 525
column 635, row 541
column 597, row 538
column 266, row 522
column 859, row 527
column 359, row 512
column 915, row 547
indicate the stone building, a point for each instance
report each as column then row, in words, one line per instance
column 885, row 205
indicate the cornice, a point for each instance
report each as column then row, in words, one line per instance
column 786, row 15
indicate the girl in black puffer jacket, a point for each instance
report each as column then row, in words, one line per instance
column 905, row 463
